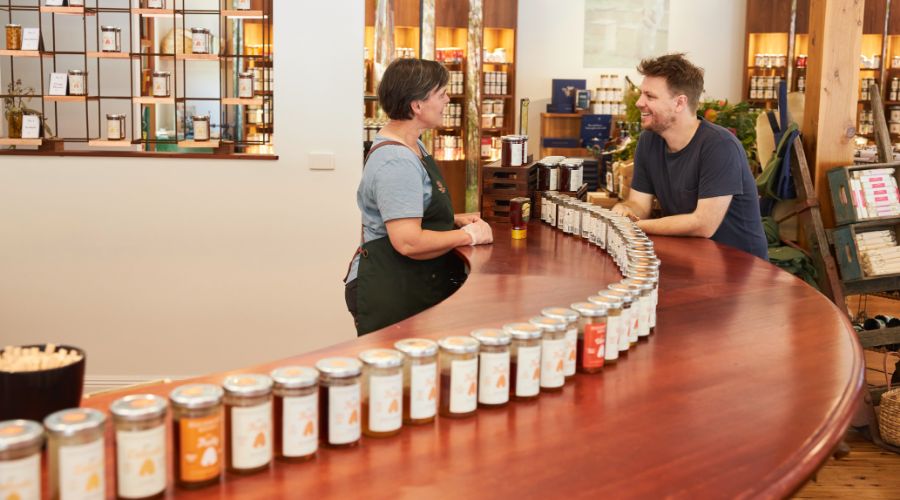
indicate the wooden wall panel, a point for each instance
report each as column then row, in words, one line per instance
column 370, row 12
column 894, row 23
column 406, row 13
column 768, row 16
column 873, row 17
column 802, row 16
column 451, row 13
column 500, row 13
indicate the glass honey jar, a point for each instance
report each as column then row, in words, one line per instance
column 75, row 453
column 633, row 306
column 493, row 366
column 644, row 289
column 295, row 402
column 140, row 424
column 571, row 319
column 197, row 435
column 653, row 279
column 615, row 326
column 591, row 354
column 553, row 352
column 248, row 423
column 339, row 402
column 459, row 377
column 382, row 392
column 626, row 319
column 420, row 393
column 20, row 459
column 525, row 360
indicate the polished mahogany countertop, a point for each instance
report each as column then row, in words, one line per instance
column 747, row 385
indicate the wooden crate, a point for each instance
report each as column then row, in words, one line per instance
column 847, row 252
column 841, row 194
column 509, row 180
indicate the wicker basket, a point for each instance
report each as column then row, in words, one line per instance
column 889, row 417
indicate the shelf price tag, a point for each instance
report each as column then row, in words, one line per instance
column 31, row 39
column 31, row 127
column 58, row 83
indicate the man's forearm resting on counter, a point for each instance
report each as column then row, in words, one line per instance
column 702, row 222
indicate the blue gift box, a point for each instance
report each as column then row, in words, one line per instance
column 562, row 100
column 595, row 129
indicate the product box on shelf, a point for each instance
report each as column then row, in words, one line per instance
column 563, row 97
column 595, row 129
column 561, row 142
column 865, row 192
column 867, row 250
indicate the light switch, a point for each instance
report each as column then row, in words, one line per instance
column 321, row 161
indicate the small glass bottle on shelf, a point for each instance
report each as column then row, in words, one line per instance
column 140, row 424
column 155, row 4
column 115, row 127
column 459, row 377
column 77, row 82
column 110, row 39
column 162, row 84
column 242, row 4
column 339, row 402
column 245, row 85
column 20, row 457
column 248, row 423
column 296, row 413
column 420, row 392
column 201, row 128
column 201, row 41
column 75, row 452
column 197, row 432
column 382, row 406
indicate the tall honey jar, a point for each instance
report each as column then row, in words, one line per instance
column 420, row 392
column 553, row 352
column 382, row 392
column 75, row 454
column 339, row 402
column 571, row 319
column 197, row 434
column 493, row 366
column 20, row 459
column 633, row 305
column 644, row 289
column 140, row 424
column 248, row 423
column 525, row 360
column 591, row 336
column 13, row 37
column 459, row 377
column 295, row 398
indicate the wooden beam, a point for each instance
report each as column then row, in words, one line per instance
column 832, row 89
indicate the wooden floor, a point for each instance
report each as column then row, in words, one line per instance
column 868, row 471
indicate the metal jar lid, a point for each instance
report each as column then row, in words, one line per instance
column 112, row 116
column 200, row 118
column 339, row 367
column 650, row 276
column 200, row 30
column 641, row 284
column 246, row 74
column 18, row 434
column 622, row 287
column 589, row 309
column 562, row 313
column 652, row 263
column 551, row 161
column 138, row 407
column 74, row 421
column 196, row 396
column 382, row 358
column 417, row 348
column 608, row 301
column 247, row 385
column 627, row 296
column 110, row 28
column 162, row 73
column 523, row 331
column 549, row 324
column 76, row 72
column 14, row 26
column 459, row 345
column 294, row 377
column 492, row 336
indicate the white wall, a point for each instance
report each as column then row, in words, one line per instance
column 177, row 267
column 550, row 45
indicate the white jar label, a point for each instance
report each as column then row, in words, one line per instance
column 82, row 473
column 614, row 328
column 528, row 371
column 553, row 179
column 199, row 45
column 386, row 402
column 422, row 391
column 76, row 84
column 343, row 414
column 515, row 153
column 141, row 462
column 113, row 130
column 493, row 377
column 553, row 353
column 300, row 432
column 21, row 478
column 201, row 131
column 625, row 330
column 644, row 321
column 464, row 386
column 242, row 4
column 635, row 321
column 571, row 352
column 109, row 41
column 251, row 436
column 155, row 4
column 654, row 301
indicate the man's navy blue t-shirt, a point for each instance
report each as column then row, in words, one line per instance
column 712, row 164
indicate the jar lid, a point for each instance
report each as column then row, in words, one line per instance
column 492, row 336
column 645, row 261
column 246, row 74
column 417, row 348
column 508, row 138
column 137, row 407
column 459, row 345
column 110, row 28
column 643, row 273
column 382, row 358
column 16, row 434
column 294, row 377
column 200, row 118
column 162, row 73
column 523, row 331
column 589, row 309
column 247, row 384
column 200, row 30
column 626, row 295
column 549, row 324
column 562, row 313
column 196, row 396
column 641, row 284
column 610, row 302
column 74, row 420
column 551, row 161
column 76, row 72
column 339, row 367
column 622, row 287
column 13, row 25
column 112, row 116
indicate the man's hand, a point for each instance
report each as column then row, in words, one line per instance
column 623, row 209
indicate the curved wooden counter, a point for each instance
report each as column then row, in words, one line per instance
column 747, row 385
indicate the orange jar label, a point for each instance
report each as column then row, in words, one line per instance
column 594, row 345
column 201, row 448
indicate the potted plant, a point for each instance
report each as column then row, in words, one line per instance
column 14, row 108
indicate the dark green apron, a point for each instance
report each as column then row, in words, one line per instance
column 393, row 287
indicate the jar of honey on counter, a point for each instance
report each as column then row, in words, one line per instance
column 296, row 413
column 571, row 319
column 591, row 336
column 615, row 326
column 339, row 402
column 197, row 434
column 420, row 393
column 493, row 366
column 382, row 392
column 75, row 453
column 248, row 423
column 459, row 377
column 525, row 360
column 140, row 423
column 553, row 352
column 20, row 459
column 519, row 215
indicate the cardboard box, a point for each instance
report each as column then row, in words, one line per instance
column 602, row 199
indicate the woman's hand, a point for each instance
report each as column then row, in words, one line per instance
column 480, row 232
column 460, row 220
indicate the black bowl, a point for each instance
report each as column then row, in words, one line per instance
column 34, row 395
